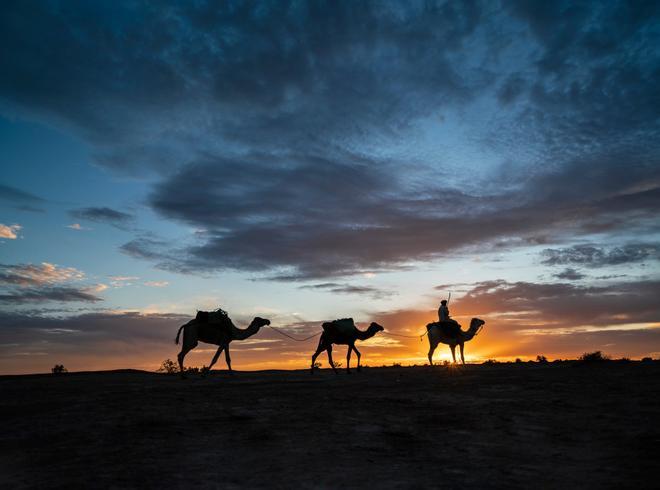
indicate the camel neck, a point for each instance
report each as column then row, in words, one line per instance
column 469, row 334
column 239, row 334
column 364, row 335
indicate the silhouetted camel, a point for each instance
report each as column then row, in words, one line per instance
column 346, row 333
column 450, row 333
column 195, row 331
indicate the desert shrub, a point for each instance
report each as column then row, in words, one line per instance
column 596, row 356
column 169, row 367
column 491, row 362
column 445, row 363
column 59, row 369
column 396, row 364
column 542, row 359
column 647, row 359
column 518, row 360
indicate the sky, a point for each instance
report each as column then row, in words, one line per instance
column 305, row 161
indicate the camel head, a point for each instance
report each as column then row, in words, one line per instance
column 259, row 322
column 476, row 324
column 374, row 328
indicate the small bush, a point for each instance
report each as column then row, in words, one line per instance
column 168, row 366
column 647, row 359
column 59, row 369
column 491, row 362
column 518, row 360
column 596, row 356
column 541, row 359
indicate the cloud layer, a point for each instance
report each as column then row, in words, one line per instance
column 30, row 283
column 319, row 140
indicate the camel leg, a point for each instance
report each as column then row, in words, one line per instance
column 453, row 351
column 348, row 359
column 462, row 356
column 359, row 368
column 215, row 359
column 228, row 359
column 321, row 347
column 181, row 356
column 431, row 351
column 330, row 359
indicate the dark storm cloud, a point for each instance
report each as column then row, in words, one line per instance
column 273, row 123
column 275, row 73
column 591, row 256
column 47, row 293
column 328, row 218
column 118, row 219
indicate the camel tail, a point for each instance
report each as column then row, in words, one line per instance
column 176, row 341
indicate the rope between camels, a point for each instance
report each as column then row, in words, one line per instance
column 407, row 336
column 293, row 338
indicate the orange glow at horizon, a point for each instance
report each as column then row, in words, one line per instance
column 270, row 351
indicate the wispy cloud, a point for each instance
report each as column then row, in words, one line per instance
column 122, row 281
column 596, row 256
column 339, row 288
column 49, row 293
column 30, row 283
column 9, row 232
column 570, row 274
column 77, row 226
column 157, row 284
column 44, row 273
column 110, row 216
column 21, row 200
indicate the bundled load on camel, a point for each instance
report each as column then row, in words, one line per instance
column 218, row 318
column 343, row 326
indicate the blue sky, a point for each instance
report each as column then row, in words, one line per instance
column 312, row 160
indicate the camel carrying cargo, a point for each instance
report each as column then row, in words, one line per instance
column 214, row 327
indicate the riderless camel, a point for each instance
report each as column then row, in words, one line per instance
column 343, row 332
column 218, row 334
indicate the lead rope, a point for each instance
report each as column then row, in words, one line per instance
column 293, row 338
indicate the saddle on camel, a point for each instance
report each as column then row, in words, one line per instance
column 450, row 328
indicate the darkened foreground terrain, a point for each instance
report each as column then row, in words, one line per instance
column 524, row 425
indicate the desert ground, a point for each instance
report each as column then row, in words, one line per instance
column 479, row 426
